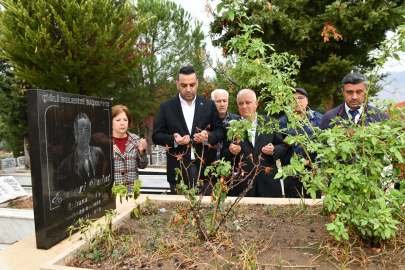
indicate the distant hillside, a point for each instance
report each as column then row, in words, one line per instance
column 396, row 81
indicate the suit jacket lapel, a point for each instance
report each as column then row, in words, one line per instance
column 199, row 105
column 344, row 114
column 257, row 148
column 178, row 112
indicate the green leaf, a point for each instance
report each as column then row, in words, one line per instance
column 396, row 56
column 395, row 192
column 231, row 14
column 398, row 156
column 374, row 140
column 330, row 170
column 330, row 226
column 345, row 198
column 147, row 202
column 219, row 7
column 387, row 232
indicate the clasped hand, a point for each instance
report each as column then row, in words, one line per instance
column 235, row 149
column 198, row 137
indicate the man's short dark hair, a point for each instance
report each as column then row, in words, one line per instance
column 78, row 117
column 186, row 71
column 354, row 78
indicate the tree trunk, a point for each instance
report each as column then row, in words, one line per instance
column 138, row 127
column 148, row 127
column 329, row 105
column 26, row 152
column 148, row 136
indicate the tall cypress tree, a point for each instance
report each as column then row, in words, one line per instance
column 172, row 39
column 13, row 110
column 330, row 37
column 73, row 46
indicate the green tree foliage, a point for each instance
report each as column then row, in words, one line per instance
column 73, row 46
column 13, row 110
column 172, row 41
column 330, row 37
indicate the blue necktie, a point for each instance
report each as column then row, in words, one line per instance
column 353, row 113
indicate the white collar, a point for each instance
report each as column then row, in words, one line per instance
column 254, row 122
column 183, row 102
column 347, row 109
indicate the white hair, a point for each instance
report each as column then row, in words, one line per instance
column 219, row 91
column 244, row 91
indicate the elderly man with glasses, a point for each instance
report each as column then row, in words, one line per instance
column 293, row 188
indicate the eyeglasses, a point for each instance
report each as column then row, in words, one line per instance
column 300, row 97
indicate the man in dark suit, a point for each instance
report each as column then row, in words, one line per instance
column 85, row 164
column 177, row 123
column 270, row 146
column 354, row 93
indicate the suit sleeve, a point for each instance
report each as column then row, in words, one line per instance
column 324, row 122
column 217, row 130
column 159, row 135
column 280, row 147
column 225, row 152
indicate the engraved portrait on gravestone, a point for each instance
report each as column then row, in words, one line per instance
column 86, row 163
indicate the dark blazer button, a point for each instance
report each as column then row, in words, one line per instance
column 123, row 173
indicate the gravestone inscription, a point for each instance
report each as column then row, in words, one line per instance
column 21, row 161
column 71, row 161
column 8, row 165
column 10, row 189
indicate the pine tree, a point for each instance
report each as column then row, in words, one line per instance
column 73, row 46
column 331, row 38
column 172, row 41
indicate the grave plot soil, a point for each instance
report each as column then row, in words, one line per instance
column 255, row 237
column 25, row 203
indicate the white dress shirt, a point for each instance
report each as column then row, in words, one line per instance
column 188, row 113
column 356, row 119
column 252, row 130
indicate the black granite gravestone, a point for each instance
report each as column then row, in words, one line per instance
column 70, row 148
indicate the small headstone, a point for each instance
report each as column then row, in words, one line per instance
column 71, row 161
column 21, row 162
column 160, row 156
column 8, row 165
column 10, row 189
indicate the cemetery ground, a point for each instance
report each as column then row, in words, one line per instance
column 255, row 236
column 23, row 203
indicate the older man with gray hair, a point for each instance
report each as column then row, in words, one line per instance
column 354, row 94
column 221, row 98
column 265, row 150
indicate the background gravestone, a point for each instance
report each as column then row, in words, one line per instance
column 160, row 156
column 10, row 189
column 8, row 165
column 71, row 161
column 21, row 162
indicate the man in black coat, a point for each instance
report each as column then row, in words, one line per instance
column 354, row 92
column 270, row 146
column 176, row 126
